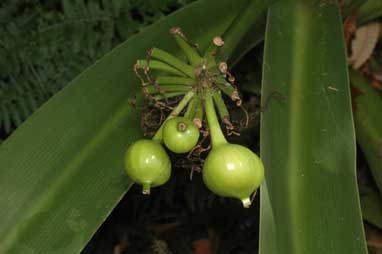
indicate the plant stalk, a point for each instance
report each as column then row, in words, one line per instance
column 198, row 116
column 171, row 80
column 190, row 52
column 152, row 89
column 173, row 61
column 190, row 112
column 175, row 112
column 157, row 65
column 167, row 95
column 217, row 136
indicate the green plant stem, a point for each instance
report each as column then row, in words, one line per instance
column 220, row 105
column 227, row 88
column 158, row 65
column 190, row 112
column 210, row 54
column 173, row 61
column 198, row 116
column 171, row 80
column 217, row 136
column 152, row 89
column 190, row 52
column 250, row 14
column 175, row 112
column 167, row 95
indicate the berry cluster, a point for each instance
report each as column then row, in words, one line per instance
column 229, row 170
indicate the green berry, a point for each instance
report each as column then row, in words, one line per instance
column 232, row 170
column 180, row 135
column 147, row 164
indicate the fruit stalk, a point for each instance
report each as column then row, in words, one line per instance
column 190, row 51
column 156, row 65
column 222, row 108
column 190, row 112
column 198, row 116
column 173, row 61
column 217, row 136
column 154, row 89
column 229, row 90
column 212, row 51
column 171, row 80
column 175, row 112
column 167, row 95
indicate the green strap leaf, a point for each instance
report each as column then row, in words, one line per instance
column 309, row 202
column 62, row 170
column 368, row 123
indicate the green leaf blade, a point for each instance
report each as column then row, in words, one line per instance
column 309, row 203
column 368, row 125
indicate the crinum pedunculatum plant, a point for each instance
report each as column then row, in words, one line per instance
column 230, row 170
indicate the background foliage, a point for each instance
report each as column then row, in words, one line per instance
column 45, row 44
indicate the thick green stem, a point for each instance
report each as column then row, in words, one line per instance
column 190, row 52
column 190, row 112
column 175, row 112
column 173, row 61
column 152, row 89
column 171, row 80
column 217, row 136
column 157, row 65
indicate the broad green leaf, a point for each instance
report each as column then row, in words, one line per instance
column 62, row 171
column 309, row 201
column 368, row 123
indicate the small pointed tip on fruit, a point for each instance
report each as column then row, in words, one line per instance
column 246, row 202
column 146, row 189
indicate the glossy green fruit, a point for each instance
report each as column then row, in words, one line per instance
column 148, row 164
column 180, row 134
column 232, row 170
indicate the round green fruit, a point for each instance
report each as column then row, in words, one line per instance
column 148, row 164
column 232, row 170
column 180, row 134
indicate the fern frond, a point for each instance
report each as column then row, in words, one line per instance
column 43, row 47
